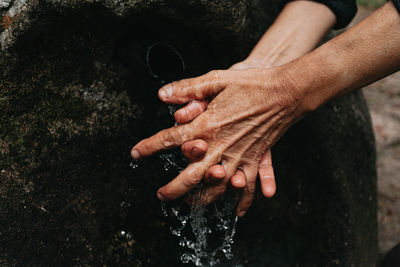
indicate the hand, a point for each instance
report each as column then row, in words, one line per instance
column 339, row 58
column 283, row 42
column 236, row 131
column 194, row 150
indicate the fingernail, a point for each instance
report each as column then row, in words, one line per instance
column 196, row 152
column 241, row 213
column 166, row 91
column 162, row 93
column 161, row 197
column 135, row 154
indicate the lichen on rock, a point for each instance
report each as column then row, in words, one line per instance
column 5, row 3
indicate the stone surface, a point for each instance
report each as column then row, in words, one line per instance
column 5, row 3
column 75, row 95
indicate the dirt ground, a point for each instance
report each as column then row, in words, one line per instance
column 383, row 98
column 384, row 101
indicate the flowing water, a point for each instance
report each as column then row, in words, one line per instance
column 205, row 232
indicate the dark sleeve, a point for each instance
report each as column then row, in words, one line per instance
column 345, row 10
column 397, row 4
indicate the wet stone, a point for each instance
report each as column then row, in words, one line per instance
column 76, row 92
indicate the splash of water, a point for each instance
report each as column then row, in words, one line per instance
column 205, row 233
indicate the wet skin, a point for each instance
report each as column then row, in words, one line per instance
column 238, row 140
column 238, row 132
column 284, row 41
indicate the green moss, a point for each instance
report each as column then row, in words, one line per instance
column 371, row 3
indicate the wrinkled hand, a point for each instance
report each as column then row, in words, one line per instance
column 194, row 150
column 251, row 110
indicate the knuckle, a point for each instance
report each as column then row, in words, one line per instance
column 251, row 188
column 213, row 76
column 203, row 106
column 198, row 173
column 192, row 181
column 165, row 141
column 206, row 127
column 197, row 107
column 169, row 138
column 195, row 178
column 266, row 164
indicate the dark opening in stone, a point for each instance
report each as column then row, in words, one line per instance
column 164, row 62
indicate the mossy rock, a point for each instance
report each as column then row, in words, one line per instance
column 76, row 94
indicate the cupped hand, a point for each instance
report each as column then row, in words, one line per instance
column 251, row 109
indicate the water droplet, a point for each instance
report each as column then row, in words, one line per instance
column 129, row 236
column 172, row 109
column 199, row 225
column 134, row 164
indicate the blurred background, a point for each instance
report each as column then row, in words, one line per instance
column 383, row 98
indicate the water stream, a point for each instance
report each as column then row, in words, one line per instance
column 205, row 232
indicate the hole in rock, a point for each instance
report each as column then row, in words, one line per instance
column 164, row 62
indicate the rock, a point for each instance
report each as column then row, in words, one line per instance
column 5, row 3
column 76, row 94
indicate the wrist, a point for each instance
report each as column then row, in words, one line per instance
column 316, row 78
column 297, row 30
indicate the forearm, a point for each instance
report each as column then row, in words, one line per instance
column 297, row 30
column 365, row 53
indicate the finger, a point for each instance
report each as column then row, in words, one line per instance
column 190, row 111
column 215, row 174
column 195, row 149
column 184, row 182
column 246, row 199
column 181, row 92
column 165, row 139
column 267, row 177
column 239, row 179
column 213, row 191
